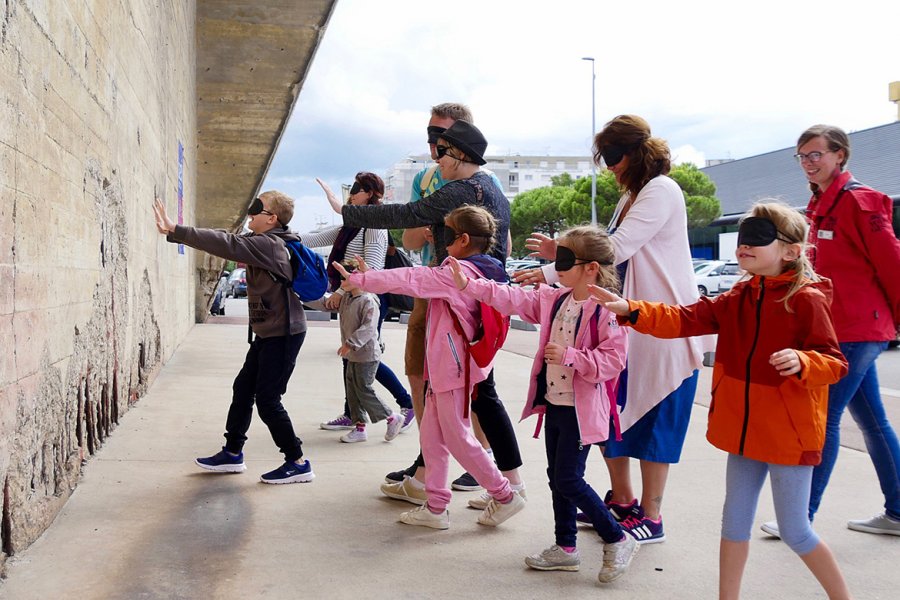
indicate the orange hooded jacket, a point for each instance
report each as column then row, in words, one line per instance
column 755, row 411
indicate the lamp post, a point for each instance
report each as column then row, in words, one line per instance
column 593, row 131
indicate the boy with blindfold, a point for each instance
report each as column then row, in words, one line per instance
column 280, row 329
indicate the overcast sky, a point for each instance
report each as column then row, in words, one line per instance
column 717, row 79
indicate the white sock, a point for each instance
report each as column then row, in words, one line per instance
column 416, row 483
column 517, row 487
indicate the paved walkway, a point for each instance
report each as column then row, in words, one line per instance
column 146, row 523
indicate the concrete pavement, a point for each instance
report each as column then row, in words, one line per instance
column 145, row 522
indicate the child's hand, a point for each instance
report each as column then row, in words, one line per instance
column 333, row 302
column 612, row 302
column 786, row 361
column 554, row 353
column 164, row 224
column 460, row 278
column 361, row 265
column 343, row 351
column 541, row 245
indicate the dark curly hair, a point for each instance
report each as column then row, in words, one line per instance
column 648, row 156
column 370, row 182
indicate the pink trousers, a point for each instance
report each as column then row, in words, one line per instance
column 444, row 431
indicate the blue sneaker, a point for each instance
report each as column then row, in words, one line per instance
column 290, row 472
column 642, row 529
column 223, row 462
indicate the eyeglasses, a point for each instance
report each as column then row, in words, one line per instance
column 812, row 157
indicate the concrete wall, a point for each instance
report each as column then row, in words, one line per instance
column 95, row 98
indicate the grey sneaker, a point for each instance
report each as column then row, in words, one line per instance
column 882, row 524
column 404, row 490
column 617, row 558
column 425, row 518
column 481, row 502
column 771, row 528
column 393, row 427
column 495, row 512
column 554, row 558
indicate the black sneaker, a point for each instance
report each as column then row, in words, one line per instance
column 290, row 472
column 465, row 483
column 397, row 476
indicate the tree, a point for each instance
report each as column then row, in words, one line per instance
column 699, row 194
column 537, row 210
column 564, row 180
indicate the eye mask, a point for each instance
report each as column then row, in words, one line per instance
column 757, row 231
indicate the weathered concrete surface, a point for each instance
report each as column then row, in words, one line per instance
column 146, row 523
column 98, row 114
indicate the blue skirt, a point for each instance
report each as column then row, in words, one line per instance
column 658, row 436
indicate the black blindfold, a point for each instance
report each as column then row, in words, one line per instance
column 758, row 231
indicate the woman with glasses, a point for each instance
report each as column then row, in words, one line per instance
column 854, row 245
column 648, row 232
column 371, row 244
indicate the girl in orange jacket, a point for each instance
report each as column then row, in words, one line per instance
column 776, row 355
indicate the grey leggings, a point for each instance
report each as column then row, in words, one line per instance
column 790, row 492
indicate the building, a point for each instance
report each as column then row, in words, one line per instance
column 516, row 173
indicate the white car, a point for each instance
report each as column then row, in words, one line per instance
column 706, row 274
column 514, row 264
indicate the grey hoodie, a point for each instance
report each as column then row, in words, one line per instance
column 264, row 254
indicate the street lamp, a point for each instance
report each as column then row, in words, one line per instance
column 593, row 130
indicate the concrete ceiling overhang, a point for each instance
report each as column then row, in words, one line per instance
column 252, row 59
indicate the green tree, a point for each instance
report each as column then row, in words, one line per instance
column 564, row 180
column 537, row 210
column 699, row 194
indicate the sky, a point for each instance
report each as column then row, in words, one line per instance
column 716, row 79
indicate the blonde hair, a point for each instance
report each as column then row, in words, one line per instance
column 476, row 221
column 793, row 226
column 592, row 243
column 281, row 205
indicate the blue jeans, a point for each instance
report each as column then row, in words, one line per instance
column 858, row 391
column 566, row 458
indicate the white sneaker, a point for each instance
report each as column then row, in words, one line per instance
column 355, row 435
column 554, row 558
column 481, row 502
column 617, row 558
column 881, row 524
column 394, row 425
column 404, row 490
column 495, row 512
column 771, row 528
column 425, row 518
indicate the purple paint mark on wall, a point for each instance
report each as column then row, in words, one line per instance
column 180, row 191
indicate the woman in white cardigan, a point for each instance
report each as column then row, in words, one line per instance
column 649, row 233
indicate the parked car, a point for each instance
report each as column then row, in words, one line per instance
column 237, row 284
column 730, row 275
column 706, row 274
column 517, row 264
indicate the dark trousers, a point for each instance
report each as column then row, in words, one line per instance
column 263, row 380
column 495, row 423
column 565, row 471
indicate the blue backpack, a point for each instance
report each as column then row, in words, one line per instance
column 310, row 279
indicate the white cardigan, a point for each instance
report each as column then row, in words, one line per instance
column 653, row 238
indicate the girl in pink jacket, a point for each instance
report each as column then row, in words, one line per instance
column 582, row 352
column 445, row 427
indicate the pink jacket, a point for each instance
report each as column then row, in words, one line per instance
column 594, row 366
column 444, row 369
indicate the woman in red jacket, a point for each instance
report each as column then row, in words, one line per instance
column 855, row 247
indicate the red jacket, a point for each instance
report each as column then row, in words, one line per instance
column 855, row 247
column 755, row 411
